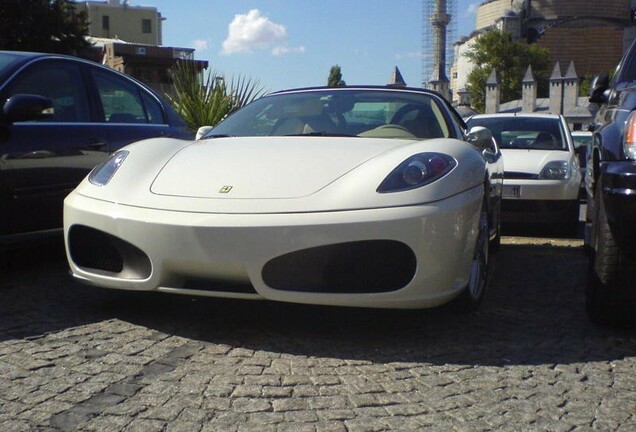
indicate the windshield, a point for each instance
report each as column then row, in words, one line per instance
column 582, row 140
column 7, row 60
column 524, row 132
column 339, row 112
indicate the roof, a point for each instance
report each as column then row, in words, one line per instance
column 492, row 78
column 556, row 72
column 529, row 76
column 396, row 78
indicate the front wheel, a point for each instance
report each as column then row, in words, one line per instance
column 470, row 299
column 610, row 297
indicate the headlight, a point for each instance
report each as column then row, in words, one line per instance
column 103, row 172
column 555, row 170
column 418, row 170
column 629, row 140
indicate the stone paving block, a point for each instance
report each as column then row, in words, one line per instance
column 145, row 425
column 107, row 423
column 528, row 360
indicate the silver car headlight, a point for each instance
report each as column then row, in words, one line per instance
column 555, row 170
column 418, row 170
column 102, row 173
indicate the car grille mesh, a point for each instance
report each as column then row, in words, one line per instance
column 371, row 266
column 100, row 252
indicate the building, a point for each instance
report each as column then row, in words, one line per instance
column 150, row 64
column 129, row 39
column 563, row 98
column 593, row 34
column 113, row 19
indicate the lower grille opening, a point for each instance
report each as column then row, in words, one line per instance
column 98, row 251
column 370, row 266
column 213, row 285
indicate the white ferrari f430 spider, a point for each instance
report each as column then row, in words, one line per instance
column 354, row 196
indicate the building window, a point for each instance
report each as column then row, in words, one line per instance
column 105, row 22
column 146, row 26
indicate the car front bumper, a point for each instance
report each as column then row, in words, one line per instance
column 540, row 201
column 406, row 257
column 618, row 183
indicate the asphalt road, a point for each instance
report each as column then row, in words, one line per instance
column 73, row 357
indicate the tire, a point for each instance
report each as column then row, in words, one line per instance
column 473, row 294
column 609, row 298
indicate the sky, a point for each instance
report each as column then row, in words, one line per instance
column 294, row 43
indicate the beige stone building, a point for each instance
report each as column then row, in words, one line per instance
column 591, row 33
column 150, row 64
column 115, row 19
column 129, row 39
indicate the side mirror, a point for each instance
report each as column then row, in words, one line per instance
column 600, row 84
column 202, row 131
column 481, row 138
column 27, row 107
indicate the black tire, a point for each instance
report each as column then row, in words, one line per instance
column 610, row 298
column 473, row 294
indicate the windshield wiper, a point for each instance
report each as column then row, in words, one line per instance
column 322, row 133
column 218, row 136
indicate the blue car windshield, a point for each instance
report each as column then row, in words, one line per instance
column 340, row 112
column 7, row 61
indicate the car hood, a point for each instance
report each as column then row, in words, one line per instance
column 531, row 161
column 263, row 168
column 279, row 174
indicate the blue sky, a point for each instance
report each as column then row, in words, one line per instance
column 294, row 43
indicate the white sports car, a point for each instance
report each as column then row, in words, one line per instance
column 355, row 196
column 542, row 176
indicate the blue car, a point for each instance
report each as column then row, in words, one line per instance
column 610, row 234
column 59, row 117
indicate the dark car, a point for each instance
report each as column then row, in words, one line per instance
column 610, row 235
column 59, row 117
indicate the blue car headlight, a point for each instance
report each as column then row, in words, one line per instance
column 555, row 170
column 418, row 170
column 103, row 172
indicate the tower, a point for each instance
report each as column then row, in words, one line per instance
column 438, row 29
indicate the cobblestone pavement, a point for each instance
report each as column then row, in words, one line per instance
column 74, row 357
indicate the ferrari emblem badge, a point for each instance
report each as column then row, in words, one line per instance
column 225, row 189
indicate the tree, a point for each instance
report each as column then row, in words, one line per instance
column 50, row 26
column 335, row 77
column 205, row 101
column 497, row 50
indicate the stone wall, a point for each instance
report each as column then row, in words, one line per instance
column 594, row 48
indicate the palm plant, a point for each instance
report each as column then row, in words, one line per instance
column 206, row 100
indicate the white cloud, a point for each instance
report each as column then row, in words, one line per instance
column 251, row 31
column 472, row 8
column 200, row 44
column 282, row 50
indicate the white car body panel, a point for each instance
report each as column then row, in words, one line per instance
column 337, row 191
column 178, row 243
column 377, row 215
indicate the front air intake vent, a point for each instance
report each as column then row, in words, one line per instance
column 100, row 252
column 370, row 266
